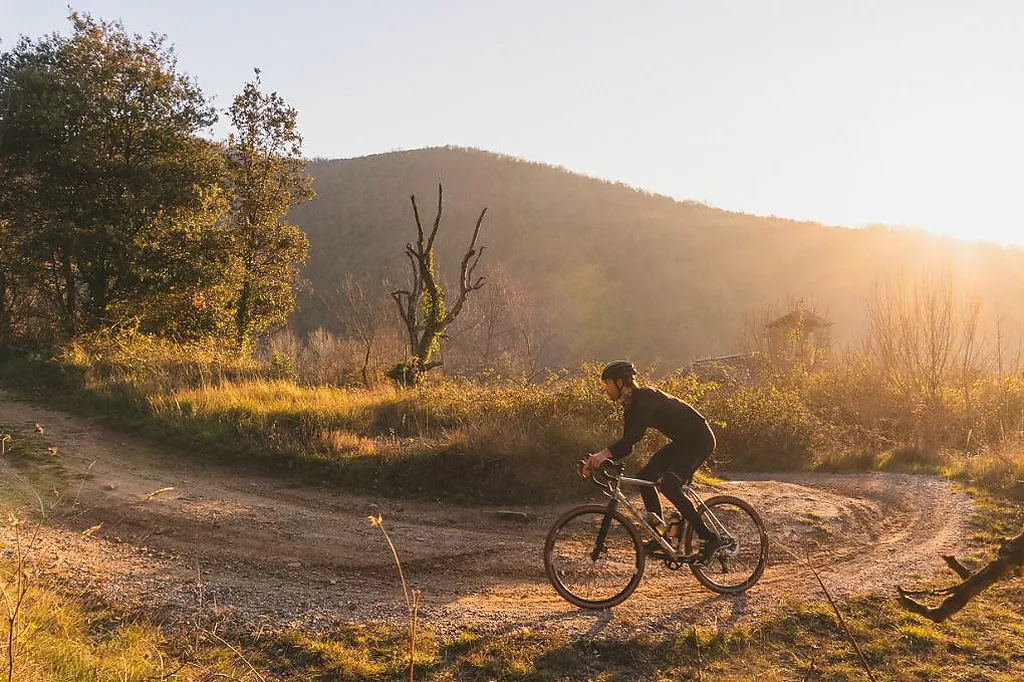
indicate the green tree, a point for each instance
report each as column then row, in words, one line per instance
column 99, row 149
column 266, row 177
column 15, row 280
column 187, row 274
column 34, row 122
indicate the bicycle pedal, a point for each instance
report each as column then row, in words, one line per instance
column 651, row 548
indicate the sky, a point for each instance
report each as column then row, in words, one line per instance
column 900, row 112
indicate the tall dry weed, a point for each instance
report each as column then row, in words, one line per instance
column 412, row 596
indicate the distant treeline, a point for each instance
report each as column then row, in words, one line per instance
column 590, row 269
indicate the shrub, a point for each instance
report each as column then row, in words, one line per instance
column 763, row 427
column 1001, row 471
column 914, row 459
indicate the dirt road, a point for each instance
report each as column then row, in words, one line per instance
column 271, row 553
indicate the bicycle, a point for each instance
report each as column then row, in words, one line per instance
column 595, row 558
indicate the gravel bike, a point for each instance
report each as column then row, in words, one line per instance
column 594, row 555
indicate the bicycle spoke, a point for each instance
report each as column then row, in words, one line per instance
column 578, row 577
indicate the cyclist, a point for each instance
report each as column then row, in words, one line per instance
column 691, row 442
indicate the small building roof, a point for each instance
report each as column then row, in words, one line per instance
column 740, row 367
column 799, row 316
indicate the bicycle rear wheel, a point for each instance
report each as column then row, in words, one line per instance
column 741, row 561
column 589, row 578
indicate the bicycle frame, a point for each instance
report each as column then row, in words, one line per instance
column 613, row 490
column 601, row 572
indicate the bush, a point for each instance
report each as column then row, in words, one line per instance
column 500, row 442
column 914, row 459
column 763, row 427
column 1000, row 471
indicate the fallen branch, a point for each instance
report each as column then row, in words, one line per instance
column 237, row 652
column 1009, row 559
column 956, row 566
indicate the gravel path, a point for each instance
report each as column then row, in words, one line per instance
column 271, row 554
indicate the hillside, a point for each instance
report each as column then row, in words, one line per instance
column 619, row 272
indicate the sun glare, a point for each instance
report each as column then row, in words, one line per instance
column 1002, row 236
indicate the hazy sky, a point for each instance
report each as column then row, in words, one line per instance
column 904, row 112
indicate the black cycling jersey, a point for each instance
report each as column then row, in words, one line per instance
column 649, row 407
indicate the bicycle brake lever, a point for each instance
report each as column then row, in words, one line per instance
column 612, row 464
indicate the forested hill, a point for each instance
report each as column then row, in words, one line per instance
column 617, row 271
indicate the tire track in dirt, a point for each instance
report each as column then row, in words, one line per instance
column 273, row 553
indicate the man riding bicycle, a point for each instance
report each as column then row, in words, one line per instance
column 691, row 442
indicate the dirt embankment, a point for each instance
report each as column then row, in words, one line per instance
column 272, row 553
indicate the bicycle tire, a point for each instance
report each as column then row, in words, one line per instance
column 746, row 560
column 565, row 552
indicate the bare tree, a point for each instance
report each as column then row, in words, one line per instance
column 922, row 339
column 1007, row 355
column 422, row 307
column 1010, row 559
column 497, row 330
column 474, row 341
column 504, row 331
column 968, row 356
column 920, row 336
column 360, row 315
column 536, row 334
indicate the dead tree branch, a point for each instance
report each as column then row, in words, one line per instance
column 466, row 282
column 1009, row 559
column 835, row 609
column 422, row 307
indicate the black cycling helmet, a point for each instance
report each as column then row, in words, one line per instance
column 620, row 369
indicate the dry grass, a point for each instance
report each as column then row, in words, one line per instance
column 519, row 438
column 803, row 642
column 515, row 440
column 992, row 470
column 61, row 636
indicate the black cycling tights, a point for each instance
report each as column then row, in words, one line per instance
column 672, row 466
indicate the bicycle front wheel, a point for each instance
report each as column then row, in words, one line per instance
column 742, row 559
column 589, row 573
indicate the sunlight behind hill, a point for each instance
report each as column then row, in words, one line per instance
column 620, row 272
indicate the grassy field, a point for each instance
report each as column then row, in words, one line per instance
column 64, row 636
column 803, row 644
column 513, row 442
column 502, row 442
column 73, row 641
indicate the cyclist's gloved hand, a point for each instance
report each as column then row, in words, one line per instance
column 595, row 461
